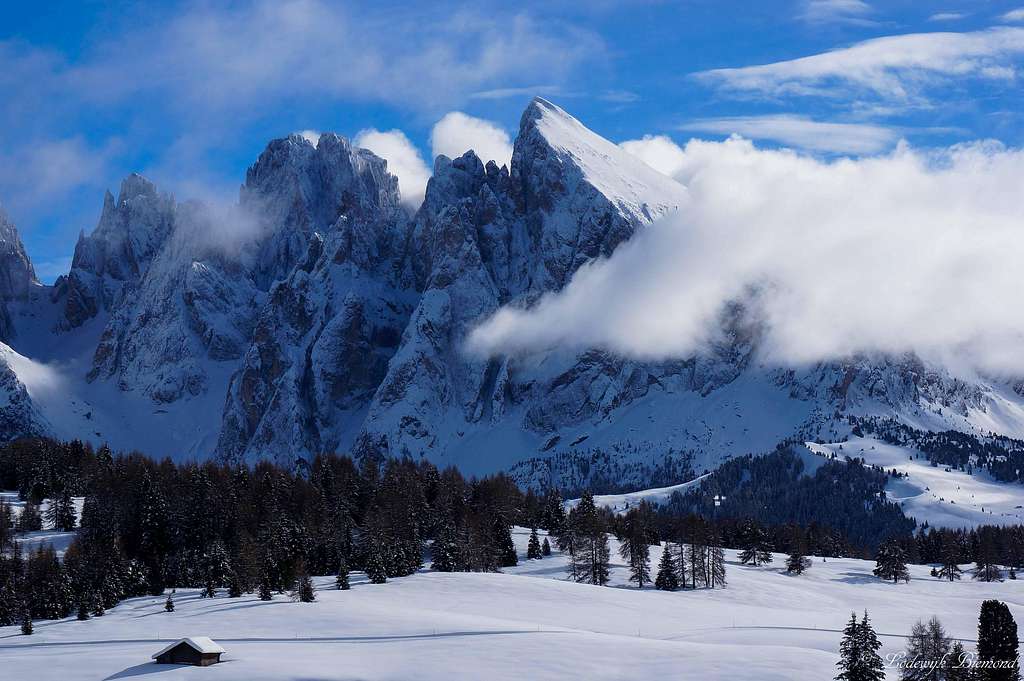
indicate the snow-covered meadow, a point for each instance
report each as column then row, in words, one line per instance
column 528, row 622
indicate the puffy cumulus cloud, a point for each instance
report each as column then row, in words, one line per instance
column 896, row 67
column 657, row 151
column 404, row 162
column 911, row 251
column 1013, row 15
column 456, row 133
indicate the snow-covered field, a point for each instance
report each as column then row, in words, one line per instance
column 944, row 498
column 528, row 623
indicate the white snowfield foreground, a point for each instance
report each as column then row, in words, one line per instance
column 525, row 624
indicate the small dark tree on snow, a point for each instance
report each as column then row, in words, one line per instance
column 234, row 585
column 341, row 581
column 503, row 543
column 445, row 551
column 169, row 603
column 265, row 590
column 30, row 519
column 545, row 548
column 756, row 550
column 375, row 570
column 83, row 610
column 209, row 590
column 891, row 562
column 98, row 609
column 304, row 591
column 997, row 642
column 26, row 621
column 797, row 563
column 667, row 580
column 61, row 512
column 533, row 551
column 950, row 568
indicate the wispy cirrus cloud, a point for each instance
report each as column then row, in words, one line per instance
column 853, row 12
column 899, row 68
column 802, row 132
column 1013, row 15
column 947, row 16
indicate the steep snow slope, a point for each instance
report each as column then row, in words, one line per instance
column 527, row 623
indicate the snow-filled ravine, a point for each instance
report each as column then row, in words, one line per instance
column 527, row 623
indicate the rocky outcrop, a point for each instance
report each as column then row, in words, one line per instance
column 17, row 277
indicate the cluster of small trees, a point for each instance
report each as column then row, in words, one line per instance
column 931, row 655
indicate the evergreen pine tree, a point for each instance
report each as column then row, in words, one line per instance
column 716, row 566
column 83, row 610
column 872, row 668
column 375, row 570
column 341, row 581
column 850, row 653
column 304, row 591
column 26, row 621
column 446, row 551
column 756, row 550
column 858, row 652
column 666, row 579
column 950, row 568
column 234, row 585
column 545, row 547
column 957, row 667
column 169, row 603
column 505, row 547
column 533, row 551
column 30, row 519
column 61, row 512
column 997, row 642
column 891, row 562
column 797, row 563
column 265, row 589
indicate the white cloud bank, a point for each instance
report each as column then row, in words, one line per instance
column 904, row 252
column 456, row 133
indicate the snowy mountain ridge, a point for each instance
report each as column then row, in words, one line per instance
column 337, row 321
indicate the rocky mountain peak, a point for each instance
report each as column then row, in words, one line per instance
column 16, row 272
column 129, row 234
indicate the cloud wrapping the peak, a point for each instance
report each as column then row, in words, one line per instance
column 456, row 133
column 911, row 251
column 404, row 162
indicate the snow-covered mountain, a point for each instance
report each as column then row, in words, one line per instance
column 318, row 315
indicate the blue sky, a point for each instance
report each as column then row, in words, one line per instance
column 189, row 93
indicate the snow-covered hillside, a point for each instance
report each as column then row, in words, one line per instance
column 526, row 623
column 938, row 495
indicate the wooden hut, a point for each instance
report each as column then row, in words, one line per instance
column 196, row 650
